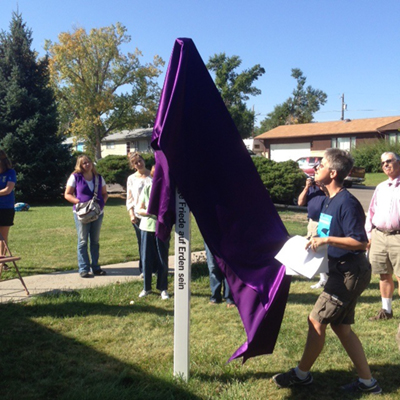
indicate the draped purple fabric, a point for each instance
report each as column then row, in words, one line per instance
column 199, row 150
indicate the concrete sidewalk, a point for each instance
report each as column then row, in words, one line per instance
column 12, row 289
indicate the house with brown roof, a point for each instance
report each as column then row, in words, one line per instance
column 290, row 142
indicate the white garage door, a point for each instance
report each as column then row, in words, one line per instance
column 289, row 151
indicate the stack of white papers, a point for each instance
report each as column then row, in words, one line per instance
column 299, row 261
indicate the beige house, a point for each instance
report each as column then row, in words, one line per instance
column 126, row 141
column 120, row 143
column 290, row 142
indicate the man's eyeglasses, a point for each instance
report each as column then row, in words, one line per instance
column 390, row 161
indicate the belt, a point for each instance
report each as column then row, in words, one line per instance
column 347, row 257
column 388, row 232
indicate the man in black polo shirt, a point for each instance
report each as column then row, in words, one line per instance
column 341, row 227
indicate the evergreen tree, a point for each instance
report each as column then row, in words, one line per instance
column 28, row 117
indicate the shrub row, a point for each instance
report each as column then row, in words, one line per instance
column 116, row 169
column 284, row 180
column 369, row 155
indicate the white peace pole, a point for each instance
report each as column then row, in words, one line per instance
column 182, row 288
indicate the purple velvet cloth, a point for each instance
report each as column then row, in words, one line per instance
column 199, row 150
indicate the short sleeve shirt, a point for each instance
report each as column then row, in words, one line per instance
column 315, row 198
column 7, row 201
column 342, row 216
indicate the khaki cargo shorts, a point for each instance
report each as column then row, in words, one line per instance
column 312, row 228
column 347, row 280
column 384, row 254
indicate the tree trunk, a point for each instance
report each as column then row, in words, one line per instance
column 97, row 153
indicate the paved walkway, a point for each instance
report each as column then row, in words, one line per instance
column 12, row 289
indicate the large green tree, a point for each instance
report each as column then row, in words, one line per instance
column 28, row 117
column 101, row 90
column 297, row 109
column 235, row 89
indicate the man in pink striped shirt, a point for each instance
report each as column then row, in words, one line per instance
column 383, row 231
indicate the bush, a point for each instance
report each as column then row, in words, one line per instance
column 115, row 169
column 368, row 155
column 284, row 180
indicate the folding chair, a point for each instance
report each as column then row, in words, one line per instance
column 8, row 257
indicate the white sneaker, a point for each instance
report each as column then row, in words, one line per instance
column 318, row 285
column 144, row 293
column 164, row 295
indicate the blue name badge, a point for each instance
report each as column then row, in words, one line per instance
column 324, row 225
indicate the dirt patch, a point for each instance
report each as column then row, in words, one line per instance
column 293, row 217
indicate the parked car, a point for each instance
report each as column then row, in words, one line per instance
column 252, row 154
column 308, row 164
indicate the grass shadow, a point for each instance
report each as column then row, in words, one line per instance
column 326, row 385
column 37, row 362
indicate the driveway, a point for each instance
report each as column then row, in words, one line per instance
column 363, row 194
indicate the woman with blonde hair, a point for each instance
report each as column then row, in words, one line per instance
column 80, row 188
column 8, row 179
column 134, row 187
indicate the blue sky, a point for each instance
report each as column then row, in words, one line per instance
column 348, row 47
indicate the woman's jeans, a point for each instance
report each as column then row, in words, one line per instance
column 88, row 233
column 154, row 254
column 218, row 283
column 139, row 240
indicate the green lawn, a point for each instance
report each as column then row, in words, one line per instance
column 372, row 179
column 45, row 237
column 94, row 344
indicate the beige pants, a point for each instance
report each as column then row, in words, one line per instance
column 312, row 228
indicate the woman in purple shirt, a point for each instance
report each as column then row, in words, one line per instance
column 8, row 179
column 80, row 188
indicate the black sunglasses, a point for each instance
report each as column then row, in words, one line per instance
column 390, row 161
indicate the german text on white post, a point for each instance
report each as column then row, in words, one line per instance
column 182, row 288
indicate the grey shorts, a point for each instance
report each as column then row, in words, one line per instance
column 347, row 280
column 384, row 253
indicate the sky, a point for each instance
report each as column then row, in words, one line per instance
column 342, row 47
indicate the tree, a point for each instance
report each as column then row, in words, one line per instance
column 28, row 117
column 92, row 76
column 299, row 108
column 235, row 89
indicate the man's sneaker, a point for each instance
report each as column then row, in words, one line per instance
column 318, row 285
column 164, row 295
column 358, row 386
column 144, row 293
column 290, row 378
column 382, row 314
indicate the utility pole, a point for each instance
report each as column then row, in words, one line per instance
column 344, row 106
